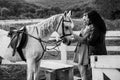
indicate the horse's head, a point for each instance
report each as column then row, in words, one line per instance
column 65, row 25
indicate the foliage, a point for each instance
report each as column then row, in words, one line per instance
column 4, row 12
column 17, row 9
column 109, row 9
column 113, row 24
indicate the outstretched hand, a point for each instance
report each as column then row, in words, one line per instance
column 76, row 36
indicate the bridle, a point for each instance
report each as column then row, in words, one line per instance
column 63, row 28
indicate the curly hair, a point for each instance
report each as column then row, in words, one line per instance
column 97, row 20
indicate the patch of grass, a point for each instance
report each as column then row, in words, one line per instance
column 110, row 24
column 16, row 72
column 113, row 24
column 13, row 72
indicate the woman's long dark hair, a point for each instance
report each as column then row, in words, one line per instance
column 97, row 21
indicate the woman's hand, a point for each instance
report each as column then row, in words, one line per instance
column 76, row 37
column 80, row 39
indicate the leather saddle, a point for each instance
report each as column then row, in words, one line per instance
column 19, row 40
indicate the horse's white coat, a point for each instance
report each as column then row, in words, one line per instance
column 6, row 52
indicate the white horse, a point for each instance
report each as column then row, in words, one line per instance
column 38, row 34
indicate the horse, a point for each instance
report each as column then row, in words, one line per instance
column 38, row 34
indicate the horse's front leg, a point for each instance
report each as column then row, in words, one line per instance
column 30, row 69
column 37, row 70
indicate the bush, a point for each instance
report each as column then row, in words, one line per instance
column 113, row 24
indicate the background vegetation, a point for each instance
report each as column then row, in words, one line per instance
column 22, row 9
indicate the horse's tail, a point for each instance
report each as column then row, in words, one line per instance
column 1, row 60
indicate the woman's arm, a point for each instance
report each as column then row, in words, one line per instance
column 82, row 37
column 78, row 38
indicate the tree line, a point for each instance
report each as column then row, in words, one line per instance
column 20, row 10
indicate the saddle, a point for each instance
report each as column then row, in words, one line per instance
column 19, row 39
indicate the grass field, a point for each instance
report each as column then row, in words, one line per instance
column 16, row 72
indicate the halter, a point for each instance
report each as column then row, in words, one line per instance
column 63, row 29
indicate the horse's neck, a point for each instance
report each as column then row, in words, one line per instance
column 47, row 32
column 55, row 23
column 44, row 29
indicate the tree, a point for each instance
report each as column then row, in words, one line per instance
column 107, row 7
column 4, row 12
column 28, row 15
column 56, row 9
column 32, row 9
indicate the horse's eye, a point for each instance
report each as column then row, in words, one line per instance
column 66, row 27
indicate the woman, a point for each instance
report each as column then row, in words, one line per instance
column 93, row 43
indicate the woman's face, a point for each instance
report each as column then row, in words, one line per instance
column 85, row 19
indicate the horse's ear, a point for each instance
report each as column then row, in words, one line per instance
column 65, row 13
column 69, row 13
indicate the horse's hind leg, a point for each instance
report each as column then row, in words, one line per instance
column 37, row 70
column 30, row 70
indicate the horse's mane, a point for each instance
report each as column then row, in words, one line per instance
column 46, row 26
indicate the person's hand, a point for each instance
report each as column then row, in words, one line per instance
column 76, row 36
column 79, row 38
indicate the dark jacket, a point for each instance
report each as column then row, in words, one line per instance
column 96, row 43
column 93, row 44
